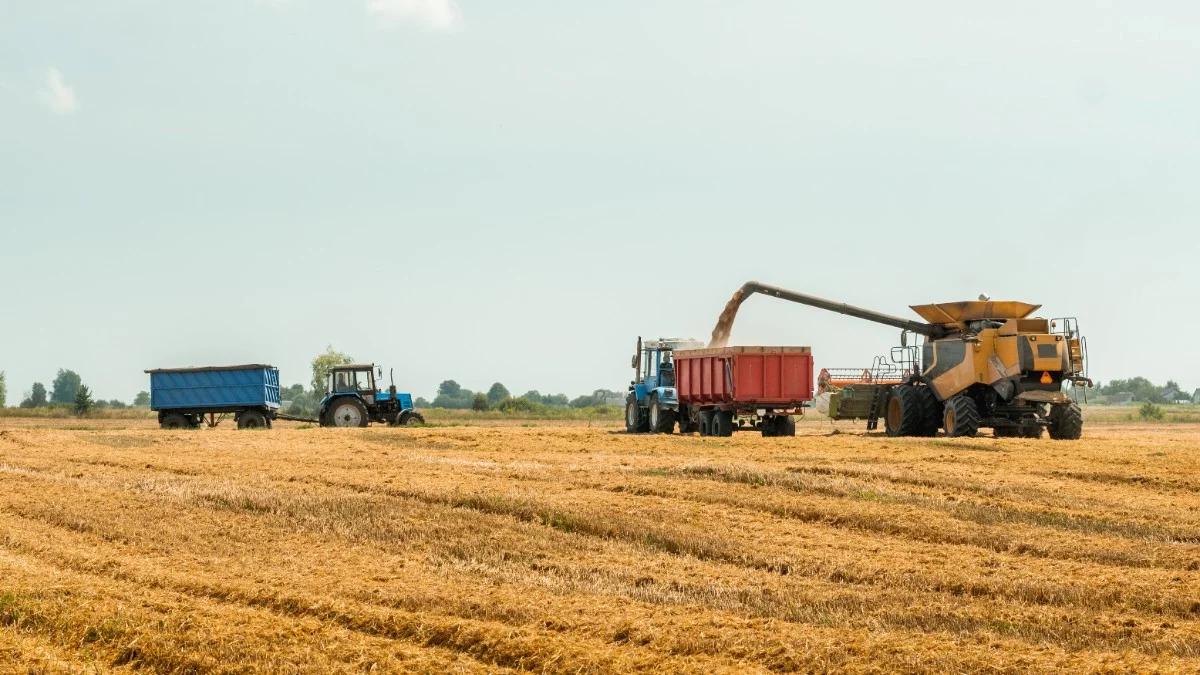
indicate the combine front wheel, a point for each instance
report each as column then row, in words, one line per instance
column 1066, row 422
column 961, row 416
column 906, row 411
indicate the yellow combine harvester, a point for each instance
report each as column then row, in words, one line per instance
column 982, row 363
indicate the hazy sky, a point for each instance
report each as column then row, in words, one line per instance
column 514, row 191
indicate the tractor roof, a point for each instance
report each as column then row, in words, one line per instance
column 355, row 366
column 972, row 310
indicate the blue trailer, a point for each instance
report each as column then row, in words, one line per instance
column 185, row 398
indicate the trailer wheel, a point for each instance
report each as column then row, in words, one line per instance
column 347, row 412
column 768, row 426
column 1066, row 422
column 175, row 421
column 706, row 423
column 786, row 426
column 252, row 419
column 722, row 424
column 662, row 420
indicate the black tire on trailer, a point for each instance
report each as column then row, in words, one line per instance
column 768, row 426
column 346, row 412
column 660, row 419
column 687, row 424
column 252, row 419
column 706, row 423
column 722, row 423
column 175, row 421
column 906, row 411
column 961, row 416
column 787, row 426
column 1066, row 422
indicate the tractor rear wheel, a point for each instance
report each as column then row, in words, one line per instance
column 347, row 412
column 252, row 419
column 961, row 416
column 907, row 411
column 1066, row 422
column 635, row 419
column 722, row 424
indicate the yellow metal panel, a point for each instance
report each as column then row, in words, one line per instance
column 970, row 310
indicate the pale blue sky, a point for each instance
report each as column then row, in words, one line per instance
column 514, row 191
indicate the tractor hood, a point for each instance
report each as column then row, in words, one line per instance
column 973, row 310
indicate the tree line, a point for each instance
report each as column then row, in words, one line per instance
column 66, row 390
column 1142, row 390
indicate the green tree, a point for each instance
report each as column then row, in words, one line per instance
column 322, row 364
column 66, row 384
column 421, row 402
column 452, row 395
column 36, row 398
column 142, row 400
column 480, row 402
column 497, row 393
column 449, row 388
column 3, row 390
column 83, row 400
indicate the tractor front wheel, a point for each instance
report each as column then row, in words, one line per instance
column 635, row 419
column 1066, row 422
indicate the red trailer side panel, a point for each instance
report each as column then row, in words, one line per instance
column 780, row 377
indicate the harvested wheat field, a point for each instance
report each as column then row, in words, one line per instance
column 580, row 549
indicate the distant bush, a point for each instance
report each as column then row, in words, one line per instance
column 1150, row 411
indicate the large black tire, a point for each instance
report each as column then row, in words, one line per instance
column 412, row 419
column 786, row 425
column 907, row 411
column 687, row 423
column 722, row 424
column 768, row 426
column 961, row 416
column 706, row 423
column 660, row 419
column 635, row 417
column 1066, row 422
column 932, row 409
column 346, row 412
column 175, row 421
column 253, row 419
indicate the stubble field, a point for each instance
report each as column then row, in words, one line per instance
column 574, row 548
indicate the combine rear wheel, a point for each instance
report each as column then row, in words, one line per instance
column 961, row 416
column 662, row 420
column 1066, row 422
column 908, row 411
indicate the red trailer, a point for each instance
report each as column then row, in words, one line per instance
column 729, row 388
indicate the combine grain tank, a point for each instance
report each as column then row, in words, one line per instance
column 724, row 389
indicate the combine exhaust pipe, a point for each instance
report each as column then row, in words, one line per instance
column 720, row 335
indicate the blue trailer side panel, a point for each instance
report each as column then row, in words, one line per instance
column 214, row 388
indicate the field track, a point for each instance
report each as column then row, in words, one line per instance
column 569, row 548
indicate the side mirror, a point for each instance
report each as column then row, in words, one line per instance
column 633, row 361
column 379, row 372
column 903, row 338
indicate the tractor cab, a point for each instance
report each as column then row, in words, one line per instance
column 354, row 379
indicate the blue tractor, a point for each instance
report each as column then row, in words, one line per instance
column 651, row 404
column 352, row 399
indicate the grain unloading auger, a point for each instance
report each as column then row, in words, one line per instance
column 982, row 363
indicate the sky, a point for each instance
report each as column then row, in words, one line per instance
column 515, row 191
